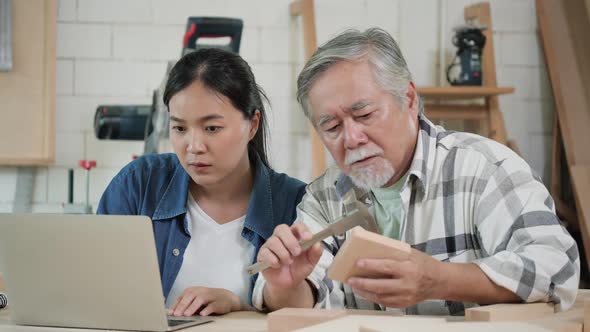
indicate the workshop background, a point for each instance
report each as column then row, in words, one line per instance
column 116, row 52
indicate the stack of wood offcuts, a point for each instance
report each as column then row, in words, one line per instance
column 532, row 317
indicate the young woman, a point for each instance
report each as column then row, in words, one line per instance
column 215, row 201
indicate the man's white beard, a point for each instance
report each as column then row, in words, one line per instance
column 375, row 175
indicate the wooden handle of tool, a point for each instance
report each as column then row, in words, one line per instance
column 317, row 237
column 257, row 267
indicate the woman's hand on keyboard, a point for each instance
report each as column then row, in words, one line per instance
column 205, row 301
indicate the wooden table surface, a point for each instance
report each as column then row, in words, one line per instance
column 246, row 321
column 571, row 320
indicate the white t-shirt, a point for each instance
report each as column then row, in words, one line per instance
column 216, row 256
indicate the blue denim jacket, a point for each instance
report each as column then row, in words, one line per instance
column 157, row 186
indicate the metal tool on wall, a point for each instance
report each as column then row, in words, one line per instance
column 470, row 41
column 149, row 123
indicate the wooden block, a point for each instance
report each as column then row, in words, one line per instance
column 1, row 282
column 567, row 321
column 366, row 312
column 587, row 315
column 290, row 319
column 353, row 323
column 364, row 244
column 456, row 327
column 435, row 324
column 509, row 311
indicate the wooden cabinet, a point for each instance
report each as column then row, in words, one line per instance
column 27, row 92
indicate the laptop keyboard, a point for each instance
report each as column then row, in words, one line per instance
column 176, row 322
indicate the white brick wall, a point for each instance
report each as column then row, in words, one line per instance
column 384, row 14
column 115, row 52
column 83, row 40
column 118, row 78
column 521, row 49
column 250, row 45
column 419, row 39
column 334, row 16
column 148, row 42
column 7, row 183
column 66, row 10
column 65, row 77
column 128, row 11
column 274, row 44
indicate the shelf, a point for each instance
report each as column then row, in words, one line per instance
column 462, row 92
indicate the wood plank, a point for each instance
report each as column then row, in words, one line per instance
column 564, row 73
column 587, row 316
column 564, row 48
column 579, row 26
column 354, row 323
column 306, row 9
column 418, row 324
column 290, row 319
column 581, row 185
column 462, row 92
column 566, row 212
column 509, row 312
column 569, row 321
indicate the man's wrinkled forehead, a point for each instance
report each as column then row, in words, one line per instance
column 324, row 118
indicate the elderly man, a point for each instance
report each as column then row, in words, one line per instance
column 482, row 228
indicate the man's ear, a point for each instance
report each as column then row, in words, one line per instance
column 412, row 99
column 254, row 124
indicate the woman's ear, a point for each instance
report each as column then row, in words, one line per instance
column 254, row 123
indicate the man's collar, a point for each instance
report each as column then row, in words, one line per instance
column 420, row 167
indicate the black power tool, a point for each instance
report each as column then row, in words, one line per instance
column 469, row 40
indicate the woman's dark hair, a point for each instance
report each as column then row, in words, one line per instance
column 228, row 74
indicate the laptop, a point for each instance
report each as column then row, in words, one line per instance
column 84, row 271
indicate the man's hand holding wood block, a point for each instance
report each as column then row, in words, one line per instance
column 384, row 270
column 363, row 244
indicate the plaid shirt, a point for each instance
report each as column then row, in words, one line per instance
column 466, row 199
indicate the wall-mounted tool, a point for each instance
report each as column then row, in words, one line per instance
column 470, row 41
column 118, row 122
column 214, row 31
column 150, row 122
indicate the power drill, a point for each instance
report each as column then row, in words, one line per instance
column 469, row 40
